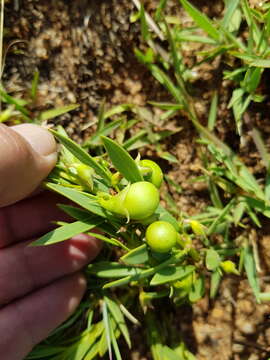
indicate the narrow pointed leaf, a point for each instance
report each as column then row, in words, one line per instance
column 67, row 231
column 138, row 255
column 106, row 269
column 250, row 267
column 200, row 19
column 52, row 113
column 79, row 198
column 119, row 318
column 171, row 273
column 82, row 155
column 122, row 161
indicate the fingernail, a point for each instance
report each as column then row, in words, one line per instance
column 41, row 140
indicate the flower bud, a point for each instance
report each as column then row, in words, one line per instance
column 229, row 267
column 197, row 228
column 83, row 174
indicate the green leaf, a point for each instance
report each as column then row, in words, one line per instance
column 169, row 354
column 119, row 318
column 106, row 130
column 17, row 103
column 198, row 290
column 101, row 119
column 106, row 269
column 182, row 36
column 215, row 282
column 102, row 345
column 144, row 27
column 171, row 273
column 107, row 240
column 106, row 321
column 230, row 12
column 177, row 258
column 254, row 33
column 250, row 267
column 52, row 113
column 122, row 161
column 252, row 79
column 75, row 212
column 114, row 341
column 258, row 205
column 68, row 231
column 129, row 144
column 239, row 102
column 252, row 60
column 201, row 19
column 212, row 259
column 166, row 106
column 160, row 9
column 118, row 110
column 261, row 63
column 165, row 80
column 88, row 349
column 264, row 297
column 169, row 157
column 213, row 112
column 136, row 256
column 82, row 155
column 238, row 212
column 34, row 85
column 80, row 198
column 220, row 217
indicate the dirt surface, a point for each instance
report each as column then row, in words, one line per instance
column 84, row 52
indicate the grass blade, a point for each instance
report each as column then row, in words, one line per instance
column 201, row 20
column 213, row 112
column 52, row 113
column 250, row 268
column 230, row 10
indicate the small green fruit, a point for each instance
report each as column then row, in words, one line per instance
column 137, row 201
column 151, row 172
column 161, row 236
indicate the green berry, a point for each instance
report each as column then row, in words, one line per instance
column 142, row 200
column 161, row 236
column 137, row 201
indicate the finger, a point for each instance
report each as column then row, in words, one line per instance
column 27, row 155
column 26, row 322
column 30, row 218
column 25, row 268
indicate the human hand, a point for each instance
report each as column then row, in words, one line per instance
column 39, row 286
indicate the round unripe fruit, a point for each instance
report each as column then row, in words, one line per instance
column 141, row 200
column 161, row 236
column 156, row 175
column 137, row 201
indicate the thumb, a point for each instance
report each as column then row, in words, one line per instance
column 27, row 155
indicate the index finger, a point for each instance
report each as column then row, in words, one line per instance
column 29, row 218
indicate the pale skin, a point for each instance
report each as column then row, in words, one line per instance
column 40, row 287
